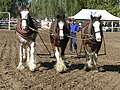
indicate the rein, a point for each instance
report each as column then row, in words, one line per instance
column 24, row 33
column 33, row 29
column 84, row 25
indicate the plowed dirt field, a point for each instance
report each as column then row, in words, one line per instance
column 46, row 78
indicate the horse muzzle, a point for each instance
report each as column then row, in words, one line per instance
column 61, row 37
column 61, row 34
column 98, row 39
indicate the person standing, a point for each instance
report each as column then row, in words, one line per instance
column 73, row 29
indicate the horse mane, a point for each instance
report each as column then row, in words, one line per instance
column 85, row 23
column 52, row 25
column 67, row 27
column 32, row 22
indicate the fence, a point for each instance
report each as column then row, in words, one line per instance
column 4, row 24
column 111, row 26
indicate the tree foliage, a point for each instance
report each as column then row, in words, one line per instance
column 50, row 8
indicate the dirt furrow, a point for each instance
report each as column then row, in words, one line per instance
column 46, row 77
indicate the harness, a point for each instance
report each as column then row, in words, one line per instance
column 54, row 35
column 23, row 33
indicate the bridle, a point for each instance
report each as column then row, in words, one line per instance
column 91, row 33
column 27, row 22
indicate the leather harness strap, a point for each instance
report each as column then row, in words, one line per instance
column 24, row 33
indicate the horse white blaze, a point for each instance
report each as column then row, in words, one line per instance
column 97, row 30
column 24, row 16
column 61, row 24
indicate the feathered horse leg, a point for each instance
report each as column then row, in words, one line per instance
column 60, row 65
column 30, row 57
column 20, row 65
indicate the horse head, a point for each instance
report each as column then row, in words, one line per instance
column 61, row 22
column 96, row 27
column 24, row 17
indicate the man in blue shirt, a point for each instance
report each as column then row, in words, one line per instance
column 73, row 29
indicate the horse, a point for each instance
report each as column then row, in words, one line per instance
column 26, row 33
column 59, row 31
column 91, row 35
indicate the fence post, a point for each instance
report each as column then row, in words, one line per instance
column 9, row 21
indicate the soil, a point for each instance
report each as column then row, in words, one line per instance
column 46, row 78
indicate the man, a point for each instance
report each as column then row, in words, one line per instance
column 73, row 29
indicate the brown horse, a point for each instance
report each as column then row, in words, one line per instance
column 91, row 35
column 59, row 32
column 25, row 31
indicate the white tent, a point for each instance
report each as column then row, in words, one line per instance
column 85, row 14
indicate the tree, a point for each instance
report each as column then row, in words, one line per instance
column 8, row 6
column 50, row 8
column 109, row 5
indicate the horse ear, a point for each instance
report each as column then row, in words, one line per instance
column 28, row 6
column 20, row 7
column 100, row 17
column 58, row 16
column 64, row 16
column 91, row 17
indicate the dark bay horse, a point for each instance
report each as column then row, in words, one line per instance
column 91, row 35
column 59, row 32
column 25, row 31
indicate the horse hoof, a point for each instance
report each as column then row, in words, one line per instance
column 60, row 68
column 96, row 71
column 86, row 69
column 20, row 67
column 32, row 67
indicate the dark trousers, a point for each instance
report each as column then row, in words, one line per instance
column 73, row 41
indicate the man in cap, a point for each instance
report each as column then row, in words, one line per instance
column 73, row 29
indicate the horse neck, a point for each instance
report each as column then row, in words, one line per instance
column 66, row 28
column 101, row 31
column 19, row 24
column 86, row 28
column 53, row 27
column 30, row 22
column 90, row 27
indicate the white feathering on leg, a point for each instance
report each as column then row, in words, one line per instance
column 60, row 65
